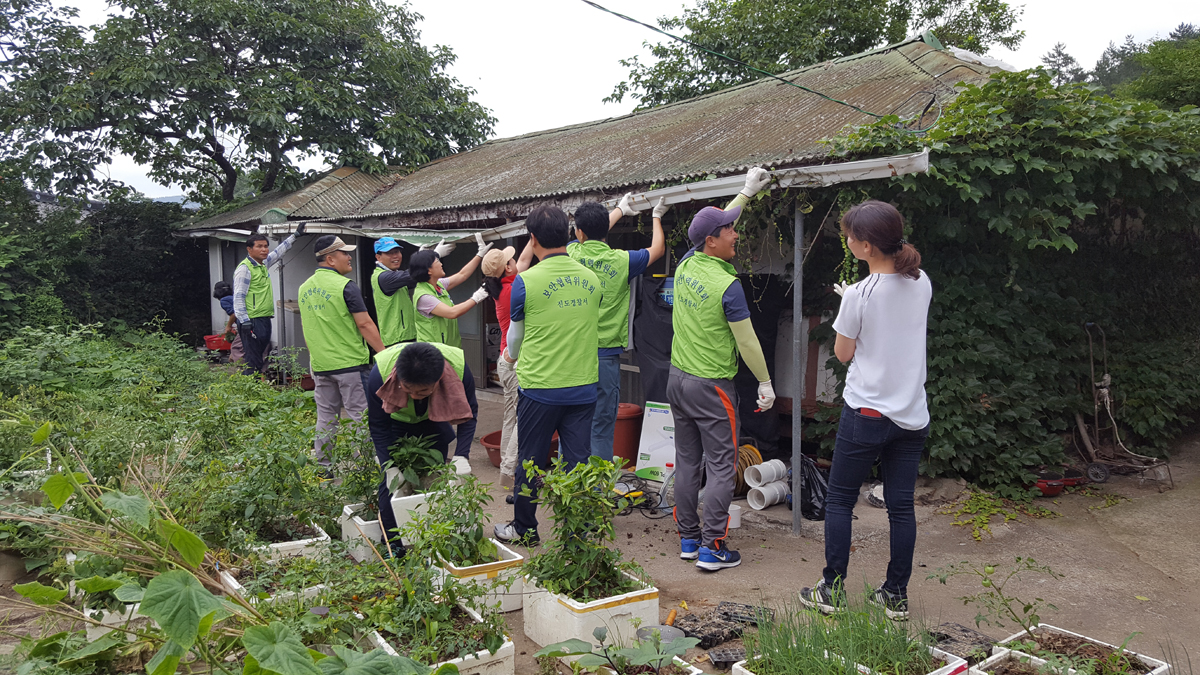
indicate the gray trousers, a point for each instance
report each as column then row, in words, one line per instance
column 334, row 392
column 705, row 413
column 508, row 436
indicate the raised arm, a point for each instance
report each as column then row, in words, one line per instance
column 468, row 269
column 658, row 240
column 624, row 208
column 526, row 257
column 453, row 312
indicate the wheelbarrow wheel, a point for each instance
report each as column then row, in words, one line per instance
column 1097, row 472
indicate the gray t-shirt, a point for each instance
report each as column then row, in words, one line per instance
column 886, row 315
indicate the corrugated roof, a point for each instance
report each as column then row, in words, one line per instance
column 339, row 192
column 758, row 124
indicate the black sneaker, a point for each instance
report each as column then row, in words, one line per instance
column 823, row 598
column 896, row 606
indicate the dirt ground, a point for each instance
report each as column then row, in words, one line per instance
column 1130, row 567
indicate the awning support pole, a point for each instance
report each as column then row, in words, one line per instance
column 799, row 334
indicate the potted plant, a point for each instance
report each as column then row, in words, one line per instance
column 576, row 583
column 865, row 636
column 359, row 473
column 643, row 656
column 411, row 471
column 106, row 593
column 270, row 581
column 452, row 533
column 997, row 606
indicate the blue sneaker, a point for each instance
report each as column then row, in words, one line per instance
column 717, row 558
column 689, row 549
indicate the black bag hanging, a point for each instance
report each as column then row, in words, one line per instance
column 812, row 494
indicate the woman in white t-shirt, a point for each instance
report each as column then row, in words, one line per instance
column 881, row 331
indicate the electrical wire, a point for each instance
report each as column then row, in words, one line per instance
column 651, row 502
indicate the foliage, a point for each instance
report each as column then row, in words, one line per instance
column 1044, row 208
column 781, row 36
column 649, row 653
column 353, row 458
column 416, row 458
column 576, row 562
column 453, row 527
column 1063, row 67
column 206, row 91
column 1172, row 74
column 994, row 605
column 976, row 508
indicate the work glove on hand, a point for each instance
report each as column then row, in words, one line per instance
column 246, row 330
column 626, row 205
column 661, row 208
column 483, row 248
column 300, row 230
column 840, row 289
column 756, row 179
column 766, row 395
column 443, row 249
column 479, row 295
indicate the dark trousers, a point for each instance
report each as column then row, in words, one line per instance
column 536, row 424
column 255, row 348
column 861, row 440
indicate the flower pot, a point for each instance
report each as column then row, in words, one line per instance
column 491, row 443
column 482, row 662
column 503, row 570
column 740, row 668
column 954, row 665
column 232, row 587
column 308, row 548
column 1156, row 667
column 1050, row 488
column 553, row 617
column 307, row 383
column 357, row 530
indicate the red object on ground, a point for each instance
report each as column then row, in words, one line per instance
column 491, row 443
column 217, row 343
column 627, row 434
column 1050, row 488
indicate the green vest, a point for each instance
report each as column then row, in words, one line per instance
column 562, row 311
column 333, row 339
column 395, row 312
column 612, row 269
column 260, row 298
column 703, row 345
column 386, row 360
column 435, row 328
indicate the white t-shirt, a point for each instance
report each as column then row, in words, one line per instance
column 887, row 314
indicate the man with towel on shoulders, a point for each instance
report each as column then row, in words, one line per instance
column 418, row 389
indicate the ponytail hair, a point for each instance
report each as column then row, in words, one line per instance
column 492, row 285
column 881, row 225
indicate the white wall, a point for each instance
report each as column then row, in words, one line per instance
column 219, row 317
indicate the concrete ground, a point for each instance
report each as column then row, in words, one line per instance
column 1129, row 568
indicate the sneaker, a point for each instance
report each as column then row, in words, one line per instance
column 822, row 598
column 689, row 549
column 507, row 533
column 717, row 558
column 896, row 606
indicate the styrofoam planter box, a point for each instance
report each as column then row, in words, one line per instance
column 482, row 662
column 691, row 670
column 504, row 569
column 306, row 548
column 954, row 664
column 130, row 619
column 232, row 587
column 372, row 529
column 404, row 508
column 1159, row 667
column 1001, row 653
column 553, row 617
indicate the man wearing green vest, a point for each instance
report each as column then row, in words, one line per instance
column 392, row 291
column 555, row 309
column 712, row 327
column 254, row 299
column 418, row 389
column 337, row 329
column 614, row 268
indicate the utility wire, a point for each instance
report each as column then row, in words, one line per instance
column 732, row 60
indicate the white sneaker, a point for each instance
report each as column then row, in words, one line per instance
column 462, row 467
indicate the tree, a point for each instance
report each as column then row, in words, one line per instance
column 781, row 35
column 1171, row 76
column 1184, row 32
column 203, row 91
column 1117, row 64
column 1063, row 67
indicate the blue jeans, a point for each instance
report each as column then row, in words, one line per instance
column 536, row 424
column 608, row 401
column 860, row 441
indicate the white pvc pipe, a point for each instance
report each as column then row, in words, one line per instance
column 759, row 475
column 770, row 494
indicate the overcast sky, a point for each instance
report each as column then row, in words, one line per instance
column 541, row 64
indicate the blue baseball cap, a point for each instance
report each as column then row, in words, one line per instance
column 385, row 244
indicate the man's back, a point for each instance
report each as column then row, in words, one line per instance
column 559, row 300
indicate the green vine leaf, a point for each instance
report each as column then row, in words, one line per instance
column 39, row 594
column 59, row 488
column 278, row 650
column 179, row 603
column 134, row 507
column 190, row 547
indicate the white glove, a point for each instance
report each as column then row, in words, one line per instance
column 483, row 248
column 443, row 249
column 626, row 205
column 480, row 295
column 661, row 208
column 766, row 395
column 756, row 179
column 840, row 289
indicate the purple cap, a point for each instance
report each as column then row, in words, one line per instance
column 709, row 221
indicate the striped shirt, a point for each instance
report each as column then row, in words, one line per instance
column 241, row 278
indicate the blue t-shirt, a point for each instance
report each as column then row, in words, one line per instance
column 584, row 393
column 227, row 304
